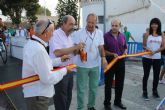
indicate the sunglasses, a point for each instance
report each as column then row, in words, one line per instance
column 49, row 23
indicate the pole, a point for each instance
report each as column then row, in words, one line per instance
column 45, row 7
column 104, row 9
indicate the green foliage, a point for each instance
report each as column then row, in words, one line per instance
column 13, row 8
column 32, row 8
column 67, row 7
column 41, row 11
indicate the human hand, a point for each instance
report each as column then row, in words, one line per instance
column 153, row 52
column 125, row 52
column 104, row 62
column 65, row 58
column 115, row 55
column 148, row 50
column 69, row 70
column 80, row 46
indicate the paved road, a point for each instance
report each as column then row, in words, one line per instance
column 131, row 96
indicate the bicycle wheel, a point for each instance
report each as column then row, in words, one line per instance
column 3, row 52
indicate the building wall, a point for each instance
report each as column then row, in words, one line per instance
column 4, row 18
column 91, row 7
column 135, row 14
column 117, row 7
column 138, row 21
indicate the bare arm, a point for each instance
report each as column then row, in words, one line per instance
column 66, row 51
column 163, row 45
column 132, row 38
column 102, row 54
column 126, row 51
column 109, row 53
column 101, row 51
column 145, row 37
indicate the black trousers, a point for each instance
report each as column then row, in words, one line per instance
column 147, row 63
column 63, row 93
column 119, row 71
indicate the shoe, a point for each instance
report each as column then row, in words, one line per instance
column 107, row 107
column 120, row 105
column 155, row 94
column 164, row 81
column 161, row 82
column 145, row 96
column 92, row 108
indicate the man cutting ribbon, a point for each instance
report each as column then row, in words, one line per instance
column 36, row 61
column 115, row 45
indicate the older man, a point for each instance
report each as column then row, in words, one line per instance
column 94, row 41
column 37, row 61
column 115, row 45
column 61, row 44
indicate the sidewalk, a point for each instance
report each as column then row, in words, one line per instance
column 132, row 95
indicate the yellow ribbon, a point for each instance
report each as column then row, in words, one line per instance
column 123, row 56
column 19, row 82
column 16, row 83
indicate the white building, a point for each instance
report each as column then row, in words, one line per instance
column 135, row 14
column 4, row 18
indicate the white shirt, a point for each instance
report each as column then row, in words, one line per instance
column 154, row 43
column 92, row 41
column 59, row 41
column 37, row 61
column 21, row 32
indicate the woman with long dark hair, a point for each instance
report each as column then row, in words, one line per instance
column 155, row 43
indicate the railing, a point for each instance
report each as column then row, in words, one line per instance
column 135, row 47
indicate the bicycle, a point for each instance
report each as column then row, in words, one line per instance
column 3, row 51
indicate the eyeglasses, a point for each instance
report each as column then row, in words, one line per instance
column 49, row 23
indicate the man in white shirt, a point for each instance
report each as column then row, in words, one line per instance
column 21, row 32
column 37, row 61
column 94, row 41
column 61, row 44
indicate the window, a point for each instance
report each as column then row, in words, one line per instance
column 100, row 19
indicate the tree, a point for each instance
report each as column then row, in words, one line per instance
column 32, row 8
column 67, row 7
column 13, row 8
column 41, row 11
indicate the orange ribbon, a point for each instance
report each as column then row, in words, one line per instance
column 20, row 82
column 124, row 56
column 33, row 78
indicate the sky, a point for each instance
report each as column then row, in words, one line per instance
column 50, row 4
